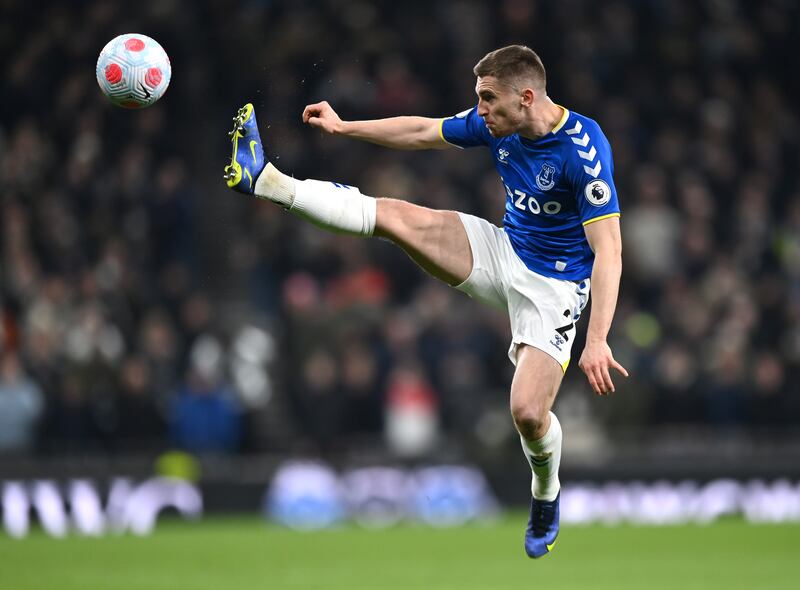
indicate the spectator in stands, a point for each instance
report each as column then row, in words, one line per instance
column 21, row 405
column 205, row 416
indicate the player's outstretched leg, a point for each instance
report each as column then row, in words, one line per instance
column 332, row 206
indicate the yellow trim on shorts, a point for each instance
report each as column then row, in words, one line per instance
column 563, row 120
column 564, row 365
column 599, row 218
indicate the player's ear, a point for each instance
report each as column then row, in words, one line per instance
column 527, row 97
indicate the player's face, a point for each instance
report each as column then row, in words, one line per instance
column 499, row 105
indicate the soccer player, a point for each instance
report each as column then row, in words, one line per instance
column 560, row 234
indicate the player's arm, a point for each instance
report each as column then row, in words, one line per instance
column 405, row 133
column 605, row 240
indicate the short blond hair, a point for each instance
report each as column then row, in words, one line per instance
column 515, row 65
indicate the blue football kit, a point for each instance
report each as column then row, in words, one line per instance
column 537, row 267
column 554, row 185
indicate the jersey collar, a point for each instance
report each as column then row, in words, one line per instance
column 561, row 122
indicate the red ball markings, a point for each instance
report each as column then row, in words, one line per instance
column 134, row 44
column 153, row 77
column 113, row 73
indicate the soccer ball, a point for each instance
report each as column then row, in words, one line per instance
column 133, row 71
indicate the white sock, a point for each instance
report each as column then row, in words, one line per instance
column 334, row 207
column 544, row 456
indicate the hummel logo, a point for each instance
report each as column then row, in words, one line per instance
column 502, row 155
column 595, row 170
column 147, row 93
column 583, row 141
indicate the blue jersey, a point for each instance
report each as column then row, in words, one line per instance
column 555, row 185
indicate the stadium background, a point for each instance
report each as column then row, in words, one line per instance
column 146, row 308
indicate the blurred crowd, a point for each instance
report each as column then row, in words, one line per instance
column 146, row 307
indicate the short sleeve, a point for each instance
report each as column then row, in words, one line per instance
column 591, row 172
column 466, row 129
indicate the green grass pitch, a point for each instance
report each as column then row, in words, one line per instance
column 244, row 554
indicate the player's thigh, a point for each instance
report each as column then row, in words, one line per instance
column 435, row 240
column 536, row 381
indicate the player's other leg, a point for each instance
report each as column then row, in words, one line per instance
column 332, row 206
column 533, row 390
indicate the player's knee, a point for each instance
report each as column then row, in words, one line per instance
column 530, row 421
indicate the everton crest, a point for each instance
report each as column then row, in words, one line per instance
column 545, row 180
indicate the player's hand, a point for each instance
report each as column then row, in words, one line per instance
column 322, row 116
column 596, row 361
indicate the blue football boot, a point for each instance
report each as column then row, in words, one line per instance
column 247, row 159
column 542, row 527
